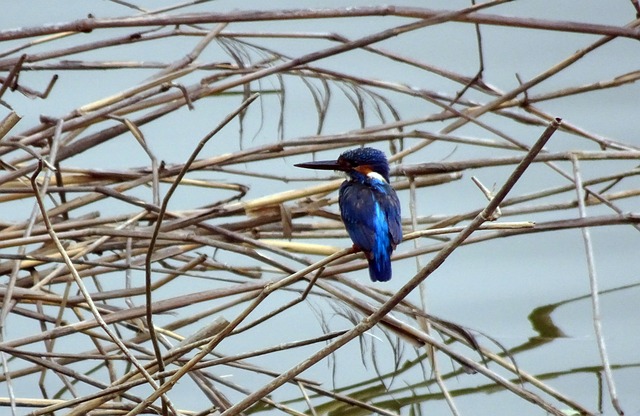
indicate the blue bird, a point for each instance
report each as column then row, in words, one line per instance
column 369, row 206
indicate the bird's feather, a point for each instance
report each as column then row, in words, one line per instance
column 370, row 211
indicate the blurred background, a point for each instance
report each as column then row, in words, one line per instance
column 117, row 95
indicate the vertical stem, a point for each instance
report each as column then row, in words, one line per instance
column 593, row 282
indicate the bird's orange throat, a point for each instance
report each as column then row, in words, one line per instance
column 367, row 171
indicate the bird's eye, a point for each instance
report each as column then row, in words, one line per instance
column 345, row 163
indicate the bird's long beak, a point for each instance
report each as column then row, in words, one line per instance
column 322, row 165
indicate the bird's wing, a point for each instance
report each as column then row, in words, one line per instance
column 390, row 204
column 357, row 205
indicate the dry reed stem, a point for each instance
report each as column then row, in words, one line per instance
column 89, row 24
column 374, row 318
column 85, row 293
column 595, row 296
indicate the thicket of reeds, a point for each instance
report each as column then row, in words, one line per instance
column 124, row 287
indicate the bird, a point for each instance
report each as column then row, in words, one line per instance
column 369, row 206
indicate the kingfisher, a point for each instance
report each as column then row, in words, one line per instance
column 369, row 206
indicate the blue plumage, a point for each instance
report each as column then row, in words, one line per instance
column 369, row 206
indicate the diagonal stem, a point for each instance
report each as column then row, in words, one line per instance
column 368, row 322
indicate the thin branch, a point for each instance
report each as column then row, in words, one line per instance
column 82, row 287
column 374, row 318
column 595, row 296
column 89, row 24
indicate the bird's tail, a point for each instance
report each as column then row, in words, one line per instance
column 380, row 268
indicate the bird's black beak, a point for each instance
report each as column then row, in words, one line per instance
column 322, row 165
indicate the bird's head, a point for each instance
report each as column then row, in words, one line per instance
column 365, row 161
